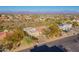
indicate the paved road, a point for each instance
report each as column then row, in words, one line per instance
column 70, row 43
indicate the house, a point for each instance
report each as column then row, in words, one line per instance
column 42, row 19
column 65, row 27
column 34, row 31
column 75, row 20
column 4, row 34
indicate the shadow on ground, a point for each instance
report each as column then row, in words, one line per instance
column 63, row 45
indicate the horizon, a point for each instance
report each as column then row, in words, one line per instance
column 39, row 9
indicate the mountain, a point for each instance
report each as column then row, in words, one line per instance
column 29, row 12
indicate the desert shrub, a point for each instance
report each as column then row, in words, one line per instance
column 12, row 41
column 29, row 39
column 75, row 24
column 53, row 30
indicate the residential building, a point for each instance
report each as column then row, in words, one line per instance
column 65, row 27
column 4, row 34
column 34, row 31
column 76, row 20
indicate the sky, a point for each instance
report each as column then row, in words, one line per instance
column 40, row 8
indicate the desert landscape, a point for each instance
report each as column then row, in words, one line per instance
column 22, row 30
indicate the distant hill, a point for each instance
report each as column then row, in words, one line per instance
column 29, row 12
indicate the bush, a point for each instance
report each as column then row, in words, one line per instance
column 75, row 24
column 29, row 39
column 12, row 41
column 53, row 30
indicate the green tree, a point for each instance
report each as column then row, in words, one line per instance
column 53, row 30
column 13, row 41
column 75, row 24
